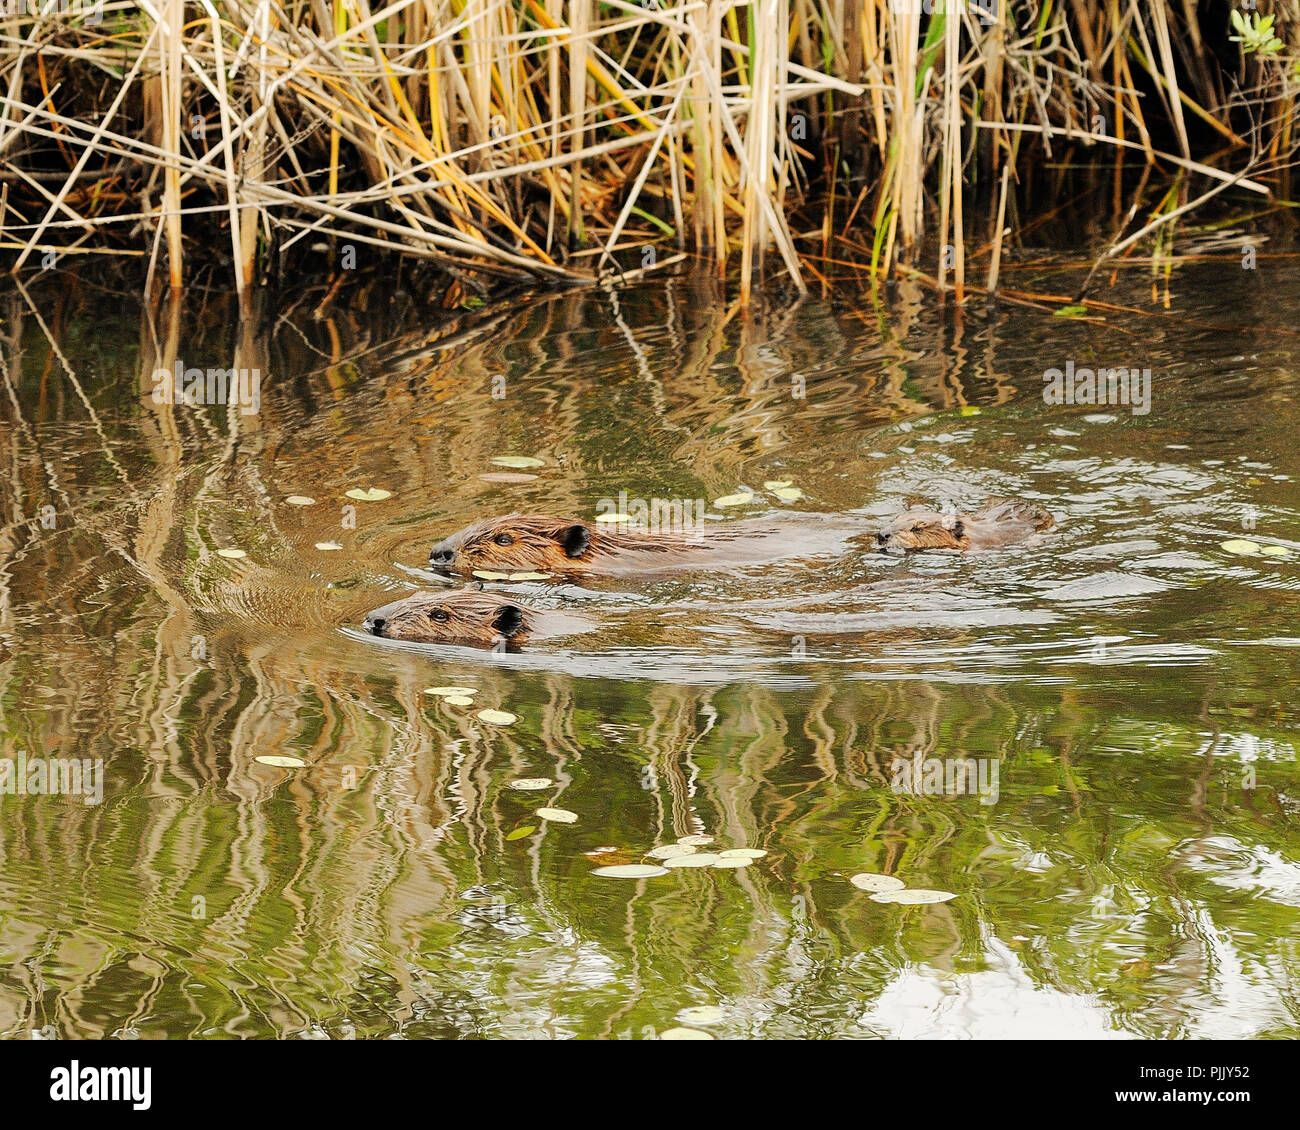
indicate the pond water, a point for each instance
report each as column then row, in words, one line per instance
column 1129, row 865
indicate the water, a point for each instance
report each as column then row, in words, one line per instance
column 1135, row 873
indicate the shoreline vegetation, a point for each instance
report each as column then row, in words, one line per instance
column 537, row 142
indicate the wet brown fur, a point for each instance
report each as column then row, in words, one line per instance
column 1002, row 522
column 468, row 617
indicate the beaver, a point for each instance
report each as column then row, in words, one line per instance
column 566, row 547
column 470, row 618
column 1001, row 522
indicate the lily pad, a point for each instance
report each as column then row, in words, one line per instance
column 702, row 1014
column 373, row 494
column 912, row 896
column 325, row 546
column 869, row 881
column 300, row 500
column 1275, row 551
column 458, row 700
column 630, row 871
column 1242, row 548
column 669, row 851
column 531, row 784
column 280, row 761
column 529, row 577
column 685, row 1034
column 614, row 519
column 517, row 462
column 789, row 494
column 443, row 692
column 733, row 500
column 777, row 484
column 497, row 717
column 703, row 859
column 233, row 554
column 557, row 815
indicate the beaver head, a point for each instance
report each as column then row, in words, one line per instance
column 517, row 543
column 923, row 529
column 467, row 617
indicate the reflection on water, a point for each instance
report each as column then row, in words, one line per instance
column 1139, row 873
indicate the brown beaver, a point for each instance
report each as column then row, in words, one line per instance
column 470, row 618
column 566, row 547
column 1001, row 522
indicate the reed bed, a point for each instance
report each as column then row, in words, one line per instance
column 541, row 141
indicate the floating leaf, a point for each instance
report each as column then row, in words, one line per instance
column 669, row 851
column 733, row 500
column 489, row 575
column 327, row 545
column 911, row 896
column 703, row 859
column 618, row 518
column 458, row 700
column 506, row 477
column 529, row 577
column 777, row 484
column 444, row 691
column 869, row 881
column 789, row 494
column 630, row 871
column 520, row 833
column 233, row 554
column 531, row 784
column 281, row 762
column 684, row 1034
column 1275, row 551
column 969, row 410
column 300, row 500
column 557, row 815
column 1242, row 547
column 743, row 853
column 702, row 1014
column 518, row 462
column 1071, row 311
column 497, row 717
column 374, row 494
column 698, row 840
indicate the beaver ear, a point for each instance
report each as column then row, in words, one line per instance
column 575, row 539
column 508, row 620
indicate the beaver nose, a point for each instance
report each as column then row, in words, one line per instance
column 376, row 626
column 440, row 556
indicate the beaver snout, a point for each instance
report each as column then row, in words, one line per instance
column 375, row 626
column 441, row 556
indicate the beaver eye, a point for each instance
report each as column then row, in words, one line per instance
column 439, row 614
column 503, row 539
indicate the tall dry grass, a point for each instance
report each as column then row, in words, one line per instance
column 531, row 140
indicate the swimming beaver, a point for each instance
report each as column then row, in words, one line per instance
column 566, row 547
column 1001, row 522
column 470, row 618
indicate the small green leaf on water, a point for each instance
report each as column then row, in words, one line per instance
column 457, row 700
column 697, row 840
column 520, row 833
column 373, row 494
column 1071, row 311
column 733, row 500
column 789, row 494
column 280, row 762
column 531, row 784
column 702, row 1014
column 518, row 462
column 557, row 815
column 300, row 500
column 442, row 692
column 324, row 546
column 497, row 717
column 703, row 859
column 1275, row 551
column 669, row 851
column 233, row 554
column 743, row 853
column 1242, row 548
column 969, row 410
column 911, row 897
column 869, row 881
column 630, row 871
column 777, row 484
column 685, row 1034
